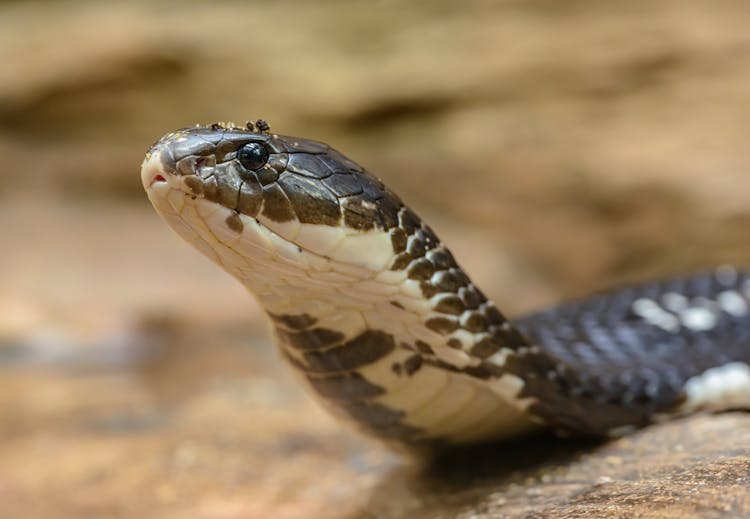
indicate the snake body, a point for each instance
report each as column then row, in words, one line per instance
column 375, row 314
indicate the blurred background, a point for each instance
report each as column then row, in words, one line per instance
column 558, row 147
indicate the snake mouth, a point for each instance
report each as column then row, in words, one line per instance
column 153, row 171
column 155, row 179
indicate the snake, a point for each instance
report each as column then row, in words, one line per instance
column 375, row 315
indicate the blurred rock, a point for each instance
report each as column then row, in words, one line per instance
column 698, row 467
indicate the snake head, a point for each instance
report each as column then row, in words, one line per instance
column 223, row 180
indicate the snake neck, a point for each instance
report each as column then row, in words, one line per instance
column 369, row 336
column 418, row 299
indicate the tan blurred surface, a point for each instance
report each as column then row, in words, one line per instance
column 558, row 148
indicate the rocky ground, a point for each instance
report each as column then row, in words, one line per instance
column 558, row 149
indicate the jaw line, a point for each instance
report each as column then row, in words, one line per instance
column 152, row 168
column 158, row 195
column 325, row 248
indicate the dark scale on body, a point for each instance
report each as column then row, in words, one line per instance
column 410, row 366
column 293, row 322
column 570, row 373
column 455, row 343
column 366, row 348
column 330, row 364
column 312, row 339
column 424, row 348
column 234, row 222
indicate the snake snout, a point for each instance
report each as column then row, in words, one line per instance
column 178, row 154
column 152, row 170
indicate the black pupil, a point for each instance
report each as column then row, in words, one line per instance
column 252, row 156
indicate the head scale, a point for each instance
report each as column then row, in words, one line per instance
column 281, row 178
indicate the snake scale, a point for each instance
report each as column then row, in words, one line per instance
column 375, row 314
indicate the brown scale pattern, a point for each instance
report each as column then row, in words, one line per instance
column 458, row 303
column 330, row 366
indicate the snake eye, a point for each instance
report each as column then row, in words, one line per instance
column 252, row 156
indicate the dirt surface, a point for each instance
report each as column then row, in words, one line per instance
column 558, row 149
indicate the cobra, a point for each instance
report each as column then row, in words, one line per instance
column 375, row 314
